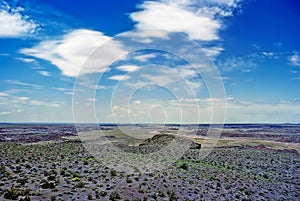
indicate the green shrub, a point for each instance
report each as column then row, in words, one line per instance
column 114, row 196
column 76, row 179
column 113, row 173
column 80, row 185
column 172, row 195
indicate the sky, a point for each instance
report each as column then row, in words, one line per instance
column 164, row 61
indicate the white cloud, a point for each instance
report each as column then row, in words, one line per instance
column 213, row 51
column 176, row 18
column 91, row 99
column 186, row 72
column 119, row 77
column 4, row 94
column 17, row 82
column 200, row 20
column 128, row 68
column 138, row 84
column 120, row 112
column 5, row 112
column 268, row 54
column 69, row 93
column 27, row 60
column 71, row 51
column 147, row 35
column 44, row 103
column 60, row 89
column 11, row 112
column 144, row 57
column 294, row 59
column 23, row 98
column 241, row 111
column 14, row 24
column 233, row 63
column 163, row 79
column 44, row 73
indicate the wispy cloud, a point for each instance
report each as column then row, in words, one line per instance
column 26, row 60
column 10, row 112
column 128, row 68
column 5, row 112
column 4, row 94
column 294, row 60
column 119, row 77
column 213, row 51
column 144, row 57
column 17, row 82
column 14, row 23
column 44, row 73
column 233, row 63
column 44, row 103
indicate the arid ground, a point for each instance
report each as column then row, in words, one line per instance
column 49, row 162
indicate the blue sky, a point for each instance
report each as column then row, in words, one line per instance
column 249, row 59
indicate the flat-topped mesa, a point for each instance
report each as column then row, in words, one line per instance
column 158, row 142
column 164, row 139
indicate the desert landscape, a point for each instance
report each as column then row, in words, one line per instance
column 249, row 162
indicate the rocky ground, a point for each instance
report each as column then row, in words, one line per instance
column 66, row 171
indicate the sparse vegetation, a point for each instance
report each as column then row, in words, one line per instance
column 65, row 171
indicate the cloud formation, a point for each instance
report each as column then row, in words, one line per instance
column 14, row 24
column 128, row 68
column 233, row 63
column 294, row 59
column 44, row 73
column 199, row 20
column 119, row 77
column 70, row 52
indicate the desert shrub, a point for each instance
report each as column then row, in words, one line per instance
column 13, row 193
column 103, row 193
column 114, row 196
column 2, row 169
column 128, row 180
column 91, row 158
column 76, row 179
column 90, row 178
column 161, row 193
column 47, row 184
column 80, row 185
column 113, row 173
column 51, row 178
column 37, row 193
column 22, row 181
column 53, row 198
column 89, row 197
column 136, row 199
column 18, row 169
column 265, row 176
column 172, row 195
column 183, row 165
